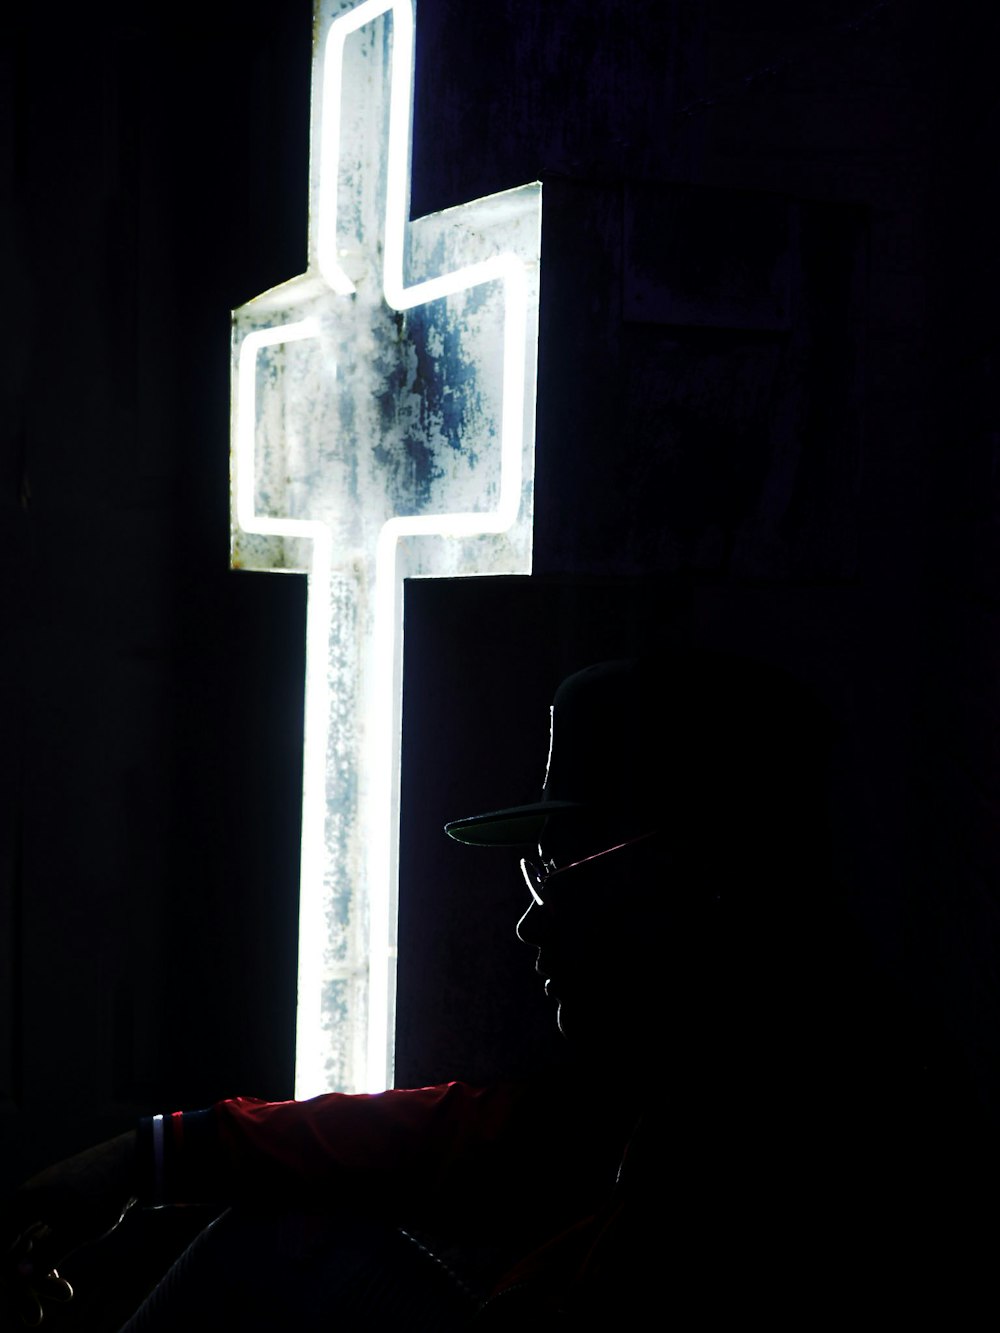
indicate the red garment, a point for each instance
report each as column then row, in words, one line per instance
column 509, row 1166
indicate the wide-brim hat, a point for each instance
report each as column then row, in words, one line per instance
column 640, row 743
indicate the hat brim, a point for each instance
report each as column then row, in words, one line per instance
column 515, row 827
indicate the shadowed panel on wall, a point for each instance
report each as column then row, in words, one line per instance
column 699, row 382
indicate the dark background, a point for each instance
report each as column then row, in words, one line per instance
column 767, row 419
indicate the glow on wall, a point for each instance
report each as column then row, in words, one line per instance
column 382, row 428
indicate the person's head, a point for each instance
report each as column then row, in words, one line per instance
column 679, row 828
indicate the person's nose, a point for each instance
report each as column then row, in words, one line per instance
column 532, row 927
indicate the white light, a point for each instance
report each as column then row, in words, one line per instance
column 316, row 361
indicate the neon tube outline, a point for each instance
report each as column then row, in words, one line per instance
column 384, row 701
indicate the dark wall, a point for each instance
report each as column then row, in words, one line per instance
column 154, row 169
column 766, row 409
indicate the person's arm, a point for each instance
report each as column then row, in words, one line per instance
column 366, row 1153
column 378, row 1152
column 373, row 1151
column 500, row 1155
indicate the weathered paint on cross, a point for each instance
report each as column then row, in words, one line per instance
column 383, row 427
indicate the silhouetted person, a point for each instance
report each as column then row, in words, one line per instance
column 729, row 1144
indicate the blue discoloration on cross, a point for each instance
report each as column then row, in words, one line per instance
column 382, row 428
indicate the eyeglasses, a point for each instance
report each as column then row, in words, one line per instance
column 538, row 877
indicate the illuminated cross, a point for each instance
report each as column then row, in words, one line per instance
column 383, row 427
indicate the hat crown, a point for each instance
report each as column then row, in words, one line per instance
column 646, row 742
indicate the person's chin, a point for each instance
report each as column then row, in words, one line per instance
column 585, row 1026
column 576, row 1025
